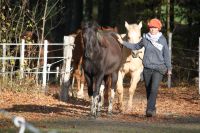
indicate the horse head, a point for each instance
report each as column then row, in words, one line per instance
column 133, row 32
column 89, row 34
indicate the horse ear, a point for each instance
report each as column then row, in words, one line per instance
column 126, row 25
column 140, row 24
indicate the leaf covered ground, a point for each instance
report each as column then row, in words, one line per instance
column 176, row 105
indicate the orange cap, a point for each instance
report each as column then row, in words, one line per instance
column 155, row 23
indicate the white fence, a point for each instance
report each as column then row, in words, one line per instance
column 46, row 68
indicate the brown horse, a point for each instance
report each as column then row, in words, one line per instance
column 101, row 59
column 77, row 58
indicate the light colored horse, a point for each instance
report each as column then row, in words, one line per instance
column 132, row 63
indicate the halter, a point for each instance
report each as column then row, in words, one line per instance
column 136, row 54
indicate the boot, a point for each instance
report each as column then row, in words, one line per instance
column 150, row 113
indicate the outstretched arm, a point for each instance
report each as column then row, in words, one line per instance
column 131, row 46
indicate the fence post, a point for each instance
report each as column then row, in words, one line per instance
column 44, row 73
column 170, row 56
column 65, row 73
column 199, row 65
column 22, row 59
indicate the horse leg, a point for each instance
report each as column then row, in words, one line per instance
column 76, row 76
column 101, row 92
column 135, row 78
column 80, row 93
column 105, row 86
column 107, row 89
column 71, row 94
column 100, row 99
column 90, row 90
column 78, row 86
column 96, row 96
column 120, row 90
column 113, row 89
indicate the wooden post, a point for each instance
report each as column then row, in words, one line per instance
column 65, row 73
column 44, row 74
column 22, row 59
column 170, row 56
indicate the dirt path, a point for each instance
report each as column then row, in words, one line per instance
column 178, row 108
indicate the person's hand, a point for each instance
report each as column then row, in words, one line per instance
column 119, row 38
column 169, row 72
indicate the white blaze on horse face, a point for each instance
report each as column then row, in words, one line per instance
column 134, row 32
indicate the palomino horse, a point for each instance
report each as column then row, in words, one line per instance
column 101, row 59
column 131, row 63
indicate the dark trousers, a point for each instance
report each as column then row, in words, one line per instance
column 152, row 79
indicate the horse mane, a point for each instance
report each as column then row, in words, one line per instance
column 101, row 32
